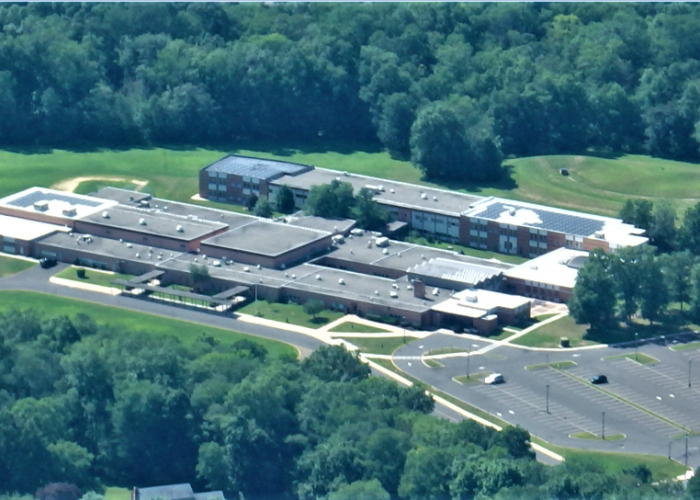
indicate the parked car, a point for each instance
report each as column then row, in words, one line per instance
column 494, row 378
column 599, row 379
column 46, row 263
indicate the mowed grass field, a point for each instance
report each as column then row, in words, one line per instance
column 10, row 265
column 597, row 185
column 131, row 321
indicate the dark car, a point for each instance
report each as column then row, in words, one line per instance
column 599, row 379
column 46, row 263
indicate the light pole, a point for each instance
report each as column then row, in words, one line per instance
column 603, row 425
column 547, row 398
column 636, row 341
column 690, row 363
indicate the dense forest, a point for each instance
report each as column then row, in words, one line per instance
column 95, row 406
column 452, row 86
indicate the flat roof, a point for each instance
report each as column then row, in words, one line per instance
column 265, row 237
column 557, row 268
column 156, row 223
column 547, row 218
column 362, row 288
column 123, row 196
column 55, row 203
column 26, row 230
column 109, row 248
column 464, row 272
column 401, row 255
column 158, row 206
column 258, row 168
column 322, row 223
column 405, row 195
column 167, row 492
column 476, row 303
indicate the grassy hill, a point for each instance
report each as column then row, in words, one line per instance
column 594, row 185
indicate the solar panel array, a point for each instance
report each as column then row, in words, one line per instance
column 256, row 167
column 36, row 196
column 551, row 221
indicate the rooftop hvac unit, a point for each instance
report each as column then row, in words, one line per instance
column 471, row 297
column 41, row 206
column 436, row 291
column 346, row 174
column 179, row 229
column 393, row 295
column 144, row 204
column 195, row 259
column 392, row 191
column 600, row 235
column 216, row 263
column 70, row 211
column 156, row 205
column 386, row 251
column 337, row 178
column 142, row 221
column 128, row 245
column 246, row 269
column 424, row 196
column 138, row 255
column 105, row 215
column 261, row 280
column 369, row 244
column 434, row 198
column 204, row 257
column 318, row 277
column 294, row 276
column 259, row 266
column 409, row 287
column 341, row 281
column 160, row 257
column 394, row 285
column 357, row 232
column 165, row 207
column 376, row 292
column 381, row 187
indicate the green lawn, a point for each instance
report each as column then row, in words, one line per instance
column 473, row 378
column 351, row 327
column 595, row 184
column 444, row 350
column 559, row 365
column 550, row 334
column 117, row 493
column 686, row 347
column 187, row 332
column 381, row 345
column 92, row 276
column 10, row 266
column 289, row 313
column 89, row 187
column 596, row 437
column 640, row 358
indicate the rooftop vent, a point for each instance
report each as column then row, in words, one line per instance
column 381, row 187
column 436, row 291
column 395, row 286
column 156, row 205
column 144, row 203
column 393, row 295
column 138, row 255
column 346, row 174
column 409, row 287
column 70, row 211
column 261, row 280
column 180, row 229
column 165, row 207
column 385, row 251
column 258, row 266
column 341, row 281
column 121, row 240
column 318, row 277
column 128, row 245
column 376, row 292
column 195, row 259
column 337, row 178
column 294, row 276
column 392, row 191
column 216, row 263
column 246, row 269
column 424, row 196
column 533, row 267
column 41, row 206
column 142, row 221
column 105, row 215
column 471, row 297
column 434, row 198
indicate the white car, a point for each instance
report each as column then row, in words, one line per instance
column 494, row 378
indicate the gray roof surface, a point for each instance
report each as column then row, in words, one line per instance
column 452, row 270
column 30, row 199
column 169, row 492
column 108, row 247
column 362, row 287
column 551, row 219
column 157, row 223
column 266, row 238
column 323, row 224
column 401, row 255
column 124, row 196
column 406, row 195
column 209, row 495
column 258, row 168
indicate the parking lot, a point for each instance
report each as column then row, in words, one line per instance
column 651, row 405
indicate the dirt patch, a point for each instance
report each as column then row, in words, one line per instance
column 71, row 185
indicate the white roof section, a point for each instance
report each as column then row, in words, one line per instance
column 55, row 203
column 558, row 268
column 519, row 213
column 26, row 230
column 478, row 303
column 452, row 270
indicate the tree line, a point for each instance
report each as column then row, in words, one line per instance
column 89, row 405
column 454, row 87
column 645, row 280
